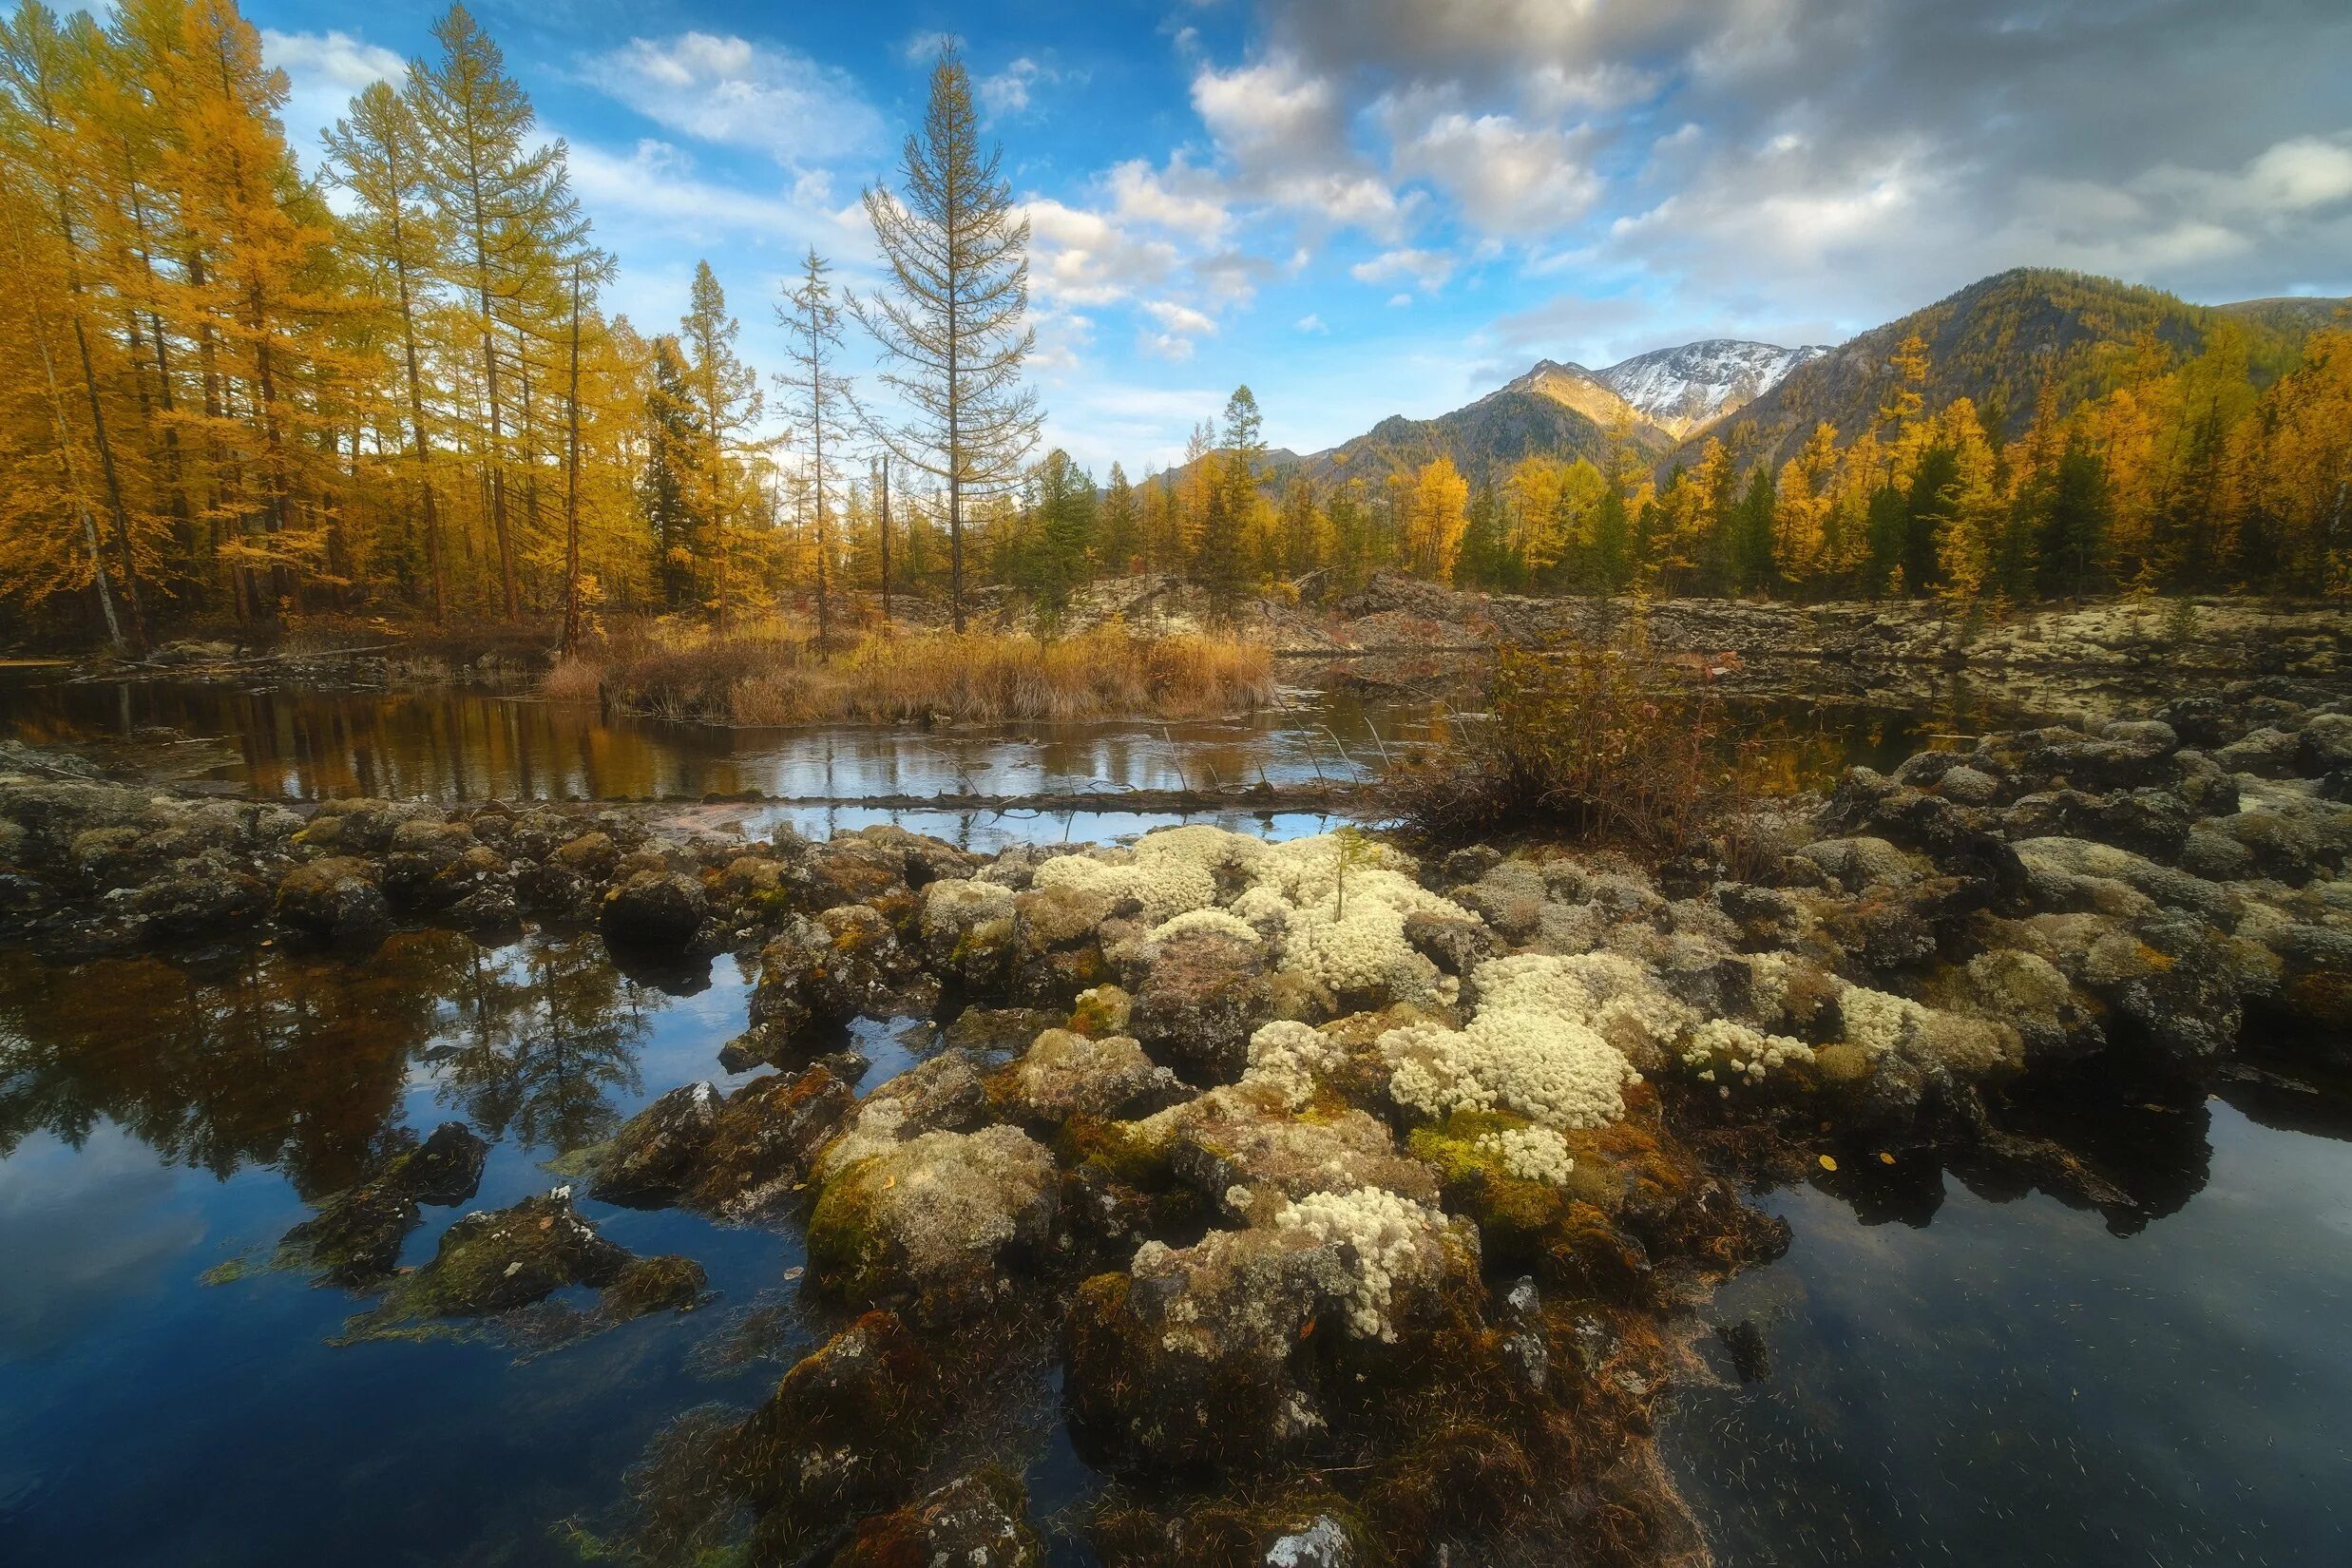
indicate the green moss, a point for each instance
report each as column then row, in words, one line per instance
column 1122, row 1151
column 1513, row 1213
column 226, row 1272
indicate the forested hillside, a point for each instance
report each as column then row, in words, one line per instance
column 230, row 391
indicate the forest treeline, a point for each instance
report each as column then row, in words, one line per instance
column 230, row 389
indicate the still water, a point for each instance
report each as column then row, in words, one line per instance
column 1955, row 1375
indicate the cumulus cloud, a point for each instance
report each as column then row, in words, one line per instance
column 1311, row 322
column 324, row 73
column 1428, row 269
column 727, row 89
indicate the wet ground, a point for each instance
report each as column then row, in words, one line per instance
column 1947, row 1376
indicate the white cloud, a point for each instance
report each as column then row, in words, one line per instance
column 730, row 90
column 1083, row 258
column 1180, row 318
column 1509, row 177
column 1311, row 322
column 324, row 73
column 1007, row 92
column 335, row 58
column 1399, row 301
column 1427, row 269
column 922, row 48
column 1179, row 197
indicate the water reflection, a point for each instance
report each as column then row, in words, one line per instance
column 2026, row 1381
column 462, row 744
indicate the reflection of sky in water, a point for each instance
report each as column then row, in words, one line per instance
column 2011, row 1383
column 145, row 1418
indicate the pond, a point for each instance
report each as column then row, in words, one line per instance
column 1953, row 1374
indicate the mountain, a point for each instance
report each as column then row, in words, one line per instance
column 1566, row 411
column 1684, row 389
column 1999, row 342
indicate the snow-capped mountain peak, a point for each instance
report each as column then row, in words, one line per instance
column 1681, row 388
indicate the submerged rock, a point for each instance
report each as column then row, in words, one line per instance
column 977, row 1521
column 496, row 1261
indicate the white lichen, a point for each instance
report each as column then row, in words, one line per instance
column 1285, row 1060
column 1739, row 1054
column 1379, row 1233
column 1531, row 1154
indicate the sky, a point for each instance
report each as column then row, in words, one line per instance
column 1368, row 207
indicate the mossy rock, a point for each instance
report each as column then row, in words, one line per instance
column 977, row 1521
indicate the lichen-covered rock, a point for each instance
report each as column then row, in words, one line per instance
column 823, row 971
column 1856, row 864
column 654, row 911
column 936, row 1223
column 355, row 1238
column 208, row 896
column 1101, row 1011
column 1190, row 1359
column 1064, row 1074
column 967, row 931
column 1198, row 1000
column 1455, row 945
column 1246, row 1154
column 2055, row 861
column 977, row 1521
column 647, row 1285
column 335, row 900
column 945, row 1094
column 1055, row 945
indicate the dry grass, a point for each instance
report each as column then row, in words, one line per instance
column 1611, row 742
column 768, row 676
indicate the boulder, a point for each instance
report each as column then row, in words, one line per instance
column 654, row 912
column 656, row 1151
column 335, row 900
column 936, row 1223
column 1203, row 994
column 845, row 1432
column 765, row 1140
column 1064, row 1074
column 1056, row 943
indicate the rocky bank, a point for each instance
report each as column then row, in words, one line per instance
column 1363, row 1204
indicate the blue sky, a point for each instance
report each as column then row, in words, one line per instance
column 1367, row 207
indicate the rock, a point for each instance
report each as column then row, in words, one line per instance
column 967, row 931
column 2326, row 743
column 591, row 855
column 1055, row 946
column 2059, row 866
column 1203, row 994
column 649, row 1284
column 335, row 900
column 945, row 1094
column 1101, row 1011
column 1855, row 863
column 765, row 1140
column 655, row 1152
column 500, row 1260
column 935, row 1222
column 1188, row 1360
column 2029, row 992
column 2215, row 856
column 1064, row 1074
column 1509, row 897
column 2264, row 752
column 1456, row 947
column 845, row 1432
column 355, row 1237
column 654, row 912
column 978, row 1521
column 1321, row 1543
column 1968, row 786
column 207, row 897
column 2283, row 848
column 445, row 1170
column 1245, row 1156
column 823, row 971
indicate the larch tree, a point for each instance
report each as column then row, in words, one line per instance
column 726, row 397
column 377, row 153
column 816, row 399
column 511, row 218
column 951, row 320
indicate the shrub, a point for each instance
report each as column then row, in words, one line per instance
column 1609, row 741
column 768, row 675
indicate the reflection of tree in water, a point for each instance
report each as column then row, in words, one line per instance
column 541, row 1036
column 270, row 1060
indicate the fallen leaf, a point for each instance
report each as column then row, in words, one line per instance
column 1828, row 1164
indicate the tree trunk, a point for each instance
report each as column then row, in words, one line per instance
column 571, row 485
column 885, row 525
